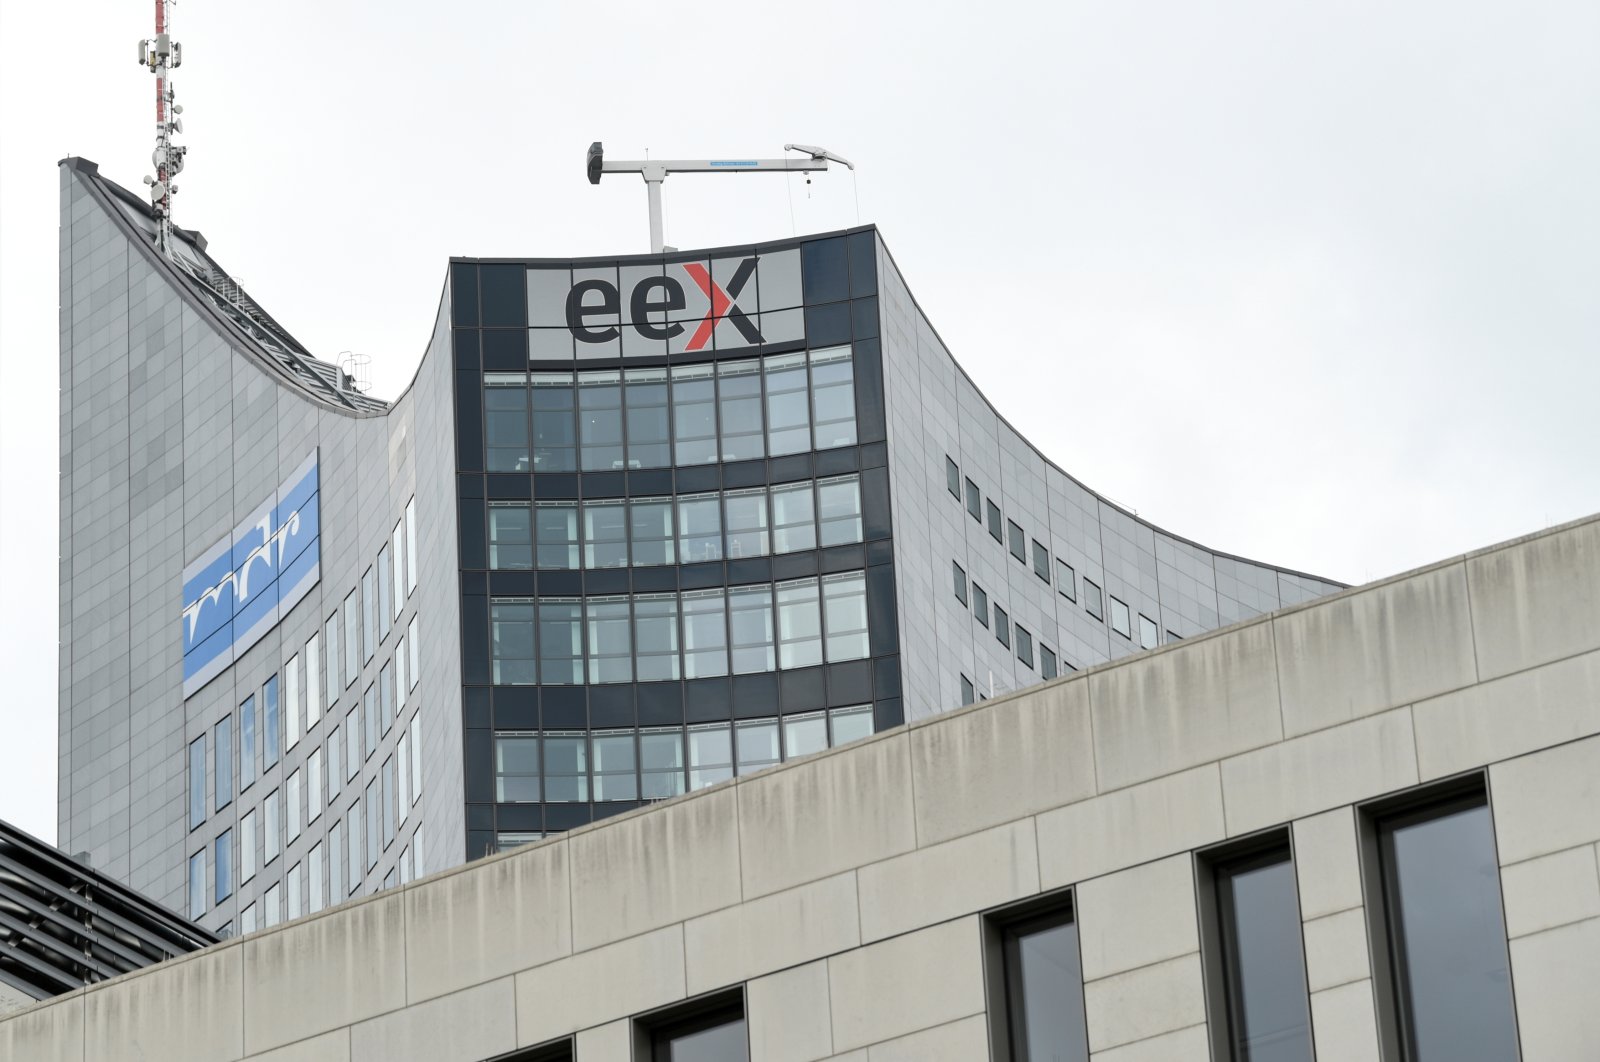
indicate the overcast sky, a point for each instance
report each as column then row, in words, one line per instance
column 1318, row 284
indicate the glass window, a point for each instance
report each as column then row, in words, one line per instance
column 313, row 680
column 1119, row 618
column 413, row 651
column 756, row 741
column 352, row 737
column 566, row 767
column 844, row 612
column 960, row 576
column 335, row 763
column 694, row 414
column 506, row 840
column 968, row 694
column 952, row 478
column 605, row 534
column 661, row 762
column 1047, row 662
column 369, row 714
column 197, row 884
column 1024, row 646
column 561, row 641
column 336, row 891
column 386, row 694
column 1066, row 580
column 352, row 639
column 247, row 921
column 745, row 520
column 247, row 743
column 369, row 615
column 397, row 569
column 1258, row 926
column 400, row 686
column 271, row 828
column 655, row 626
column 839, row 506
column 1147, row 632
column 850, row 724
column 1041, row 561
column 296, row 805
column 1044, row 991
column 804, row 734
column 750, row 622
column 294, row 886
column 353, row 851
column 223, row 872
column 649, row 431
column 510, row 536
column 974, row 502
column 699, row 527
column 710, row 754
column 416, row 757
column 411, row 545
column 994, row 521
column 610, row 639
column 555, row 434
column 271, row 734
column 1091, row 599
column 705, row 633
column 739, row 399
column 718, row 1037
column 833, row 397
column 418, row 863
column 788, row 410
column 247, row 846
column 314, row 879
column 1018, row 541
column 313, row 785
column 197, row 782
column 330, row 633
column 272, row 906
column 799, row 623
column 291, row 702
column 600, row 420
column 980, row 604
column 651, row 528
column 615, row 765
column 794, row 517
column 1002, row 627
column 555, row 530
column 511, row 639
column 505, row 421
column 374, row 823
column 1446, row 935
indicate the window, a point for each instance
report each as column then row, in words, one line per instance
column 416, row 757
column 1256, row 971
column 352, row 635
column 1047, row 662
column 799, row 624
column 296, row 806
column 510, row 536
column 555, row 535
column 291, row 702
column 352, row 739
column 605, row 534
column 561, row 641
column 316, row 879
column 1041, row 561
column 566, row 766
column 330, row 634
column 968, row 694
column 794, row 517
column 369, row 715
column 1018, row 541
column 649, row 437
column 705, row 633
column 980, row 604
column 994, row 522
column 610, row 639
column 272, row 906
column 336, row 891
column 739, row 402
column 750, row 623
column 397, row 557
column 353, row 848
column 839, row 509
column 833, row 398
column 952, row 478
column 710, row 754
column 386, row 695
column 849, row 724
column 505, row 421
column 844, row 615
column 788, row 409
column 651, row 528
column 661, row 762
column 401, row 685
column 247, row 743
column 555, row 433
column 313, row 785
column 197, row 884
column 271, row 829
column 335, row 763
column 1119, row 618
column 615, row 765
column 1043, row 986
column 294, row 885
column 387, row 794
column 1445, row 977
column 511, row 623
column 974, row 502
column 1148, row 633
column 756, row 743
column 1024, row 646
column 516, row 768
column 413, row 651
column 418, row 864
column 715, row 1036
column 505, row 841
column 1066, row 580
column 694, row 414
column 1091, row 599
column 197, row 782
column 655, row 632
column 600, row 420
column 313, row 680
column 247, row 846
column 374, row 822
column 411, row 545
column 247, row 920
column 223, row 886
column 369, row 615
column 1002, row 627
column 271, row 735
column 960, row 576
column 804, row 734
column 745, row 522
column 385, row 592
column 699, row 527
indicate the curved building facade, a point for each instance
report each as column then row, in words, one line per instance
column 637, row 526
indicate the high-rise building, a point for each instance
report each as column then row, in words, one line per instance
column 638, row 525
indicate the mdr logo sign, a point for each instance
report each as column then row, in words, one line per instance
column 722, row 303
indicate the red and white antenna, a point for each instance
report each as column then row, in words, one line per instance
column 161, row 55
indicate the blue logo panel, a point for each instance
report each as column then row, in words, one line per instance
column 240, row 588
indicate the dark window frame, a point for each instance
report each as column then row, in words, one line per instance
column 974, row 501
column 1016, row 541
column 960, row 582
column 994, row 519
column 1003, row 974
column 652, row 1032
column 555, row 1051
column 1041, row 561
column 952, row 477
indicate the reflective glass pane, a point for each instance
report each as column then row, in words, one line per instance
column 804, row 734
column 694, row 415
column 739, row 399
column 510, row 536
column 710, row 754
column 555, row 433
column 649, row 440
column 615, row 764
column 605, row 535
column 511, row 639
column 556, row 534
column 751, row 629
column 1044, row 990
column 845, row 615
column 699, row 528
column 561, row 641
column 788, row 407
column 745, row 520
column 833, row 398
column 651, row 530
column 610, row 639
column 794, row 517
column 655, row 624
column 720, row 1043
column 705, row 633
column 600, row 420
column 1269, row 1015
column 799, row 624
column 661, row 763
column 756, row 741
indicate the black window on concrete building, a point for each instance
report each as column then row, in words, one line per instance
column 1036, row 1007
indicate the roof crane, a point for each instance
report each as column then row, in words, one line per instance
column 655, row 172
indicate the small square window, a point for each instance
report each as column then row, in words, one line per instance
column 1149, row 634
column 1047, row 662
column 1119, row 618
column 1018, row 541
column 980, row 604
column 960, row 577
column 1002, row 627
column 994, row 523
column 952, row 478
column 1091, row 599
column 1024, row 646
column 974, row 502
column 1041, row 561
column 1066, row 580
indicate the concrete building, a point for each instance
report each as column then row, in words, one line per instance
column 638, row 525
column 1354, row 824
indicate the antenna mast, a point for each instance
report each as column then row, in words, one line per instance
column 161, row 55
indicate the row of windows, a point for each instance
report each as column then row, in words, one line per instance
column 667, row 636
column 658, row 417
column 689, row 528
column 659, row 762
column 1003, row 631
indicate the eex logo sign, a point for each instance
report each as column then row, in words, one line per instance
column 653, row 302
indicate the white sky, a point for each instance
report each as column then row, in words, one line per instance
column 1315, row 284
